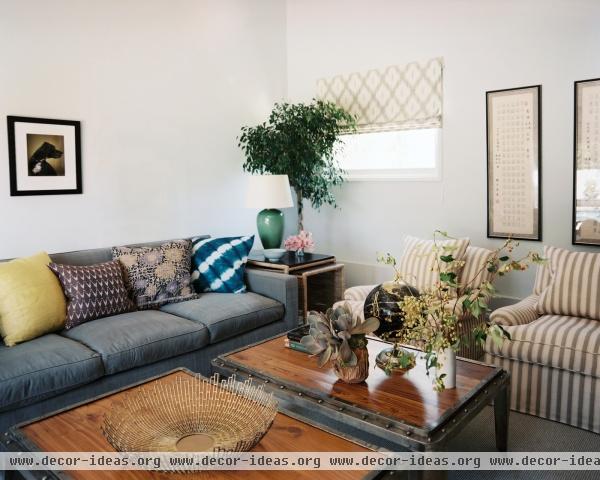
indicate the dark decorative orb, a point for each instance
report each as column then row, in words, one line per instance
column 382, row 303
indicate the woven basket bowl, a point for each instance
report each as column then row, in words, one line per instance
column 190, row 414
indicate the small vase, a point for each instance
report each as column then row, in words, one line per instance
column 300, row 252
column 447, row 359
column 357, row 373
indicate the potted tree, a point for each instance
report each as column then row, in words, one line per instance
column 301, row 141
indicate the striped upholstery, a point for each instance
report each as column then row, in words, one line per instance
column 475, row 271
column 575, row 286
column 554, row 360
column 568, row 343
column 359, row 292
column 543, row 276
column 519, row 313
column 552, row 393
column 418, row 265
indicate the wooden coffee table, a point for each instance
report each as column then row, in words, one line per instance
column 397, row 412
column 77, row 429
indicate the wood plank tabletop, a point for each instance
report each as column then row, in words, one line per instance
column 78, row 430
column 407, row 398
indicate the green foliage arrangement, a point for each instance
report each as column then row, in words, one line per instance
column 432, row 318
column 301, row 141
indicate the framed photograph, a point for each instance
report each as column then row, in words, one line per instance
column 586, row 163
column 44, row 156
column 514, row 163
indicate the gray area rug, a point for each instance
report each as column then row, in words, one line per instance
column 526, row 433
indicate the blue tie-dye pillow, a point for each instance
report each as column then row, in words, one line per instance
column 218, row 263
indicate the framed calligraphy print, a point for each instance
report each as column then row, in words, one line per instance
column 514, row 145
column 586, row 163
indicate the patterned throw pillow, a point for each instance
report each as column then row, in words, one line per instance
column 218, row 264
column 158, row 275
column 92, row 291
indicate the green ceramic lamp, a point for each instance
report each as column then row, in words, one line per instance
column 269, row 192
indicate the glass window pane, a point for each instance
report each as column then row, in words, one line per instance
column 391, row 151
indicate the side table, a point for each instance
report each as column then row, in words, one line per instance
column 320, row 278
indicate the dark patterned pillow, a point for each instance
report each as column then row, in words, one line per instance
column 157, row 275
column 92, row 291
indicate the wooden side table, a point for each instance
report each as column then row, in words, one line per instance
column 320, row 278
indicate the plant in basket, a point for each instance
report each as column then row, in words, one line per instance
column 338, row 338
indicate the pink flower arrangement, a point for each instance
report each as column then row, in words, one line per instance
column 302, row 241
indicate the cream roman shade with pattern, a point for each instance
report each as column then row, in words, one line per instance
column 402, row 97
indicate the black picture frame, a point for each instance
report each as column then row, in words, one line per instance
column 574, row 226
column 537, row 221
column 14, row 156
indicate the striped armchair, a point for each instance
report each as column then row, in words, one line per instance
column 475, row 258
column 554, row 352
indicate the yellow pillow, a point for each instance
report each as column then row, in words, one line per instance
column 32, row 302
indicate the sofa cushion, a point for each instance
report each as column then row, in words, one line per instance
column 575, row 285
column 44, row 367
column 93, row 291
column 228, row 314
column 568, row 343
column 32, row 302
column 218, row 264
column 132, row 339
column 157, row 275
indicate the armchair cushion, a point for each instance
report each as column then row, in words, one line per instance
column 360, row 292
column 567, row 343
column 575, row 286
column 475, row 271
column 418, row 265
column 520, row 313
column 543, row 276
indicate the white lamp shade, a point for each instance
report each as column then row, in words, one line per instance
column 268, row 191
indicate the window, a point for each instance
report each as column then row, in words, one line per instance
column 395, row 155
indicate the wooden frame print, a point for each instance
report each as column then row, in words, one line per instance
column 44, row 156
column 514, row 163
column 586, row 163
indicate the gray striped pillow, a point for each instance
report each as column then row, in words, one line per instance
column 475, row 271
column 543, row 277
column 418, row 265
column 575, row 285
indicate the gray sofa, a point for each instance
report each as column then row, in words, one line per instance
column 62, row 368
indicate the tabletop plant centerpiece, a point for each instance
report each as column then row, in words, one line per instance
column 431, row 318
column 340, row 338
column 301, row 141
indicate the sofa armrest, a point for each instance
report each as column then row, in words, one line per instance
column 519, row 313
column 278, row 286
column 359, row 292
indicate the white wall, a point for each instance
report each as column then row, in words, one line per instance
column 161, row 89
column 486, row 45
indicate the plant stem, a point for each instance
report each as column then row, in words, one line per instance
column 300, row 207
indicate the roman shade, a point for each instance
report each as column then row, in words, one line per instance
column 398, row 97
